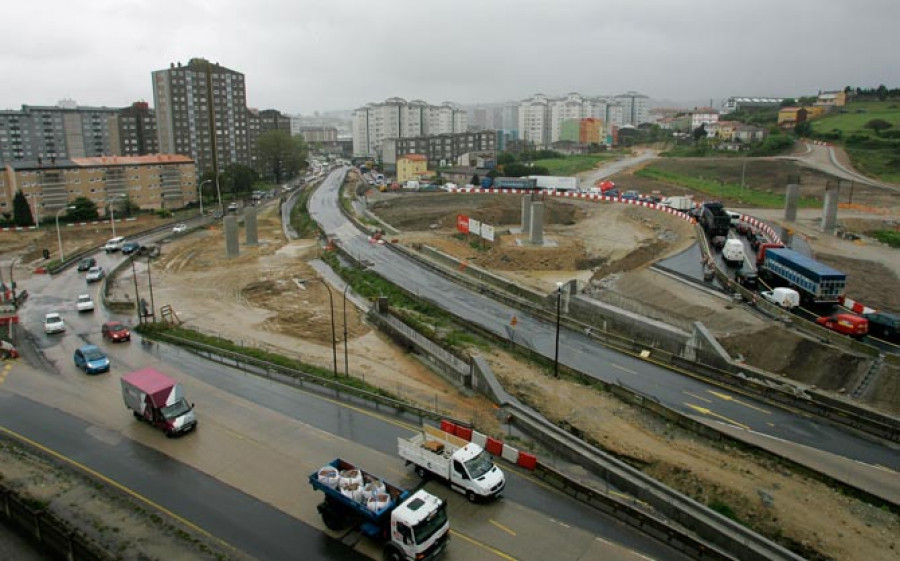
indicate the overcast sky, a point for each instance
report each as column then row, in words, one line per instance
column 301, row 56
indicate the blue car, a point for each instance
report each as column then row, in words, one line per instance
column 91, row 359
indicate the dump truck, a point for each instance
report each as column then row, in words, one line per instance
column 159, row 400
column 465, row 466
column 414, row 526
column 714, row 219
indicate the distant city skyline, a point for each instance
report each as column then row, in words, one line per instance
column 301, row 57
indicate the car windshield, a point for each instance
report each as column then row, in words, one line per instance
column 116, row 328
column 84, row 298
column 53, row 319
column 176, row 410
column 423, row 531
column 93, row 354
column 479, row 465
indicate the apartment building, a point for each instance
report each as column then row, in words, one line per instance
column 201, row 112
column 541, row 117
column 67, row 130
column 396, row 118
column 411, row 167
column 318, row 134
column 703, row 116
column 635, row 108
column 150, row 181
column 439, row 150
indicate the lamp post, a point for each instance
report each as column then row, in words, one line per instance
column 12, row 280
column 112, row 211
column 200, row 193
column 559, row 286
column 346, row 360
column 331, row 302
column 62, row 256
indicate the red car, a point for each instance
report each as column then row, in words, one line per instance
column 848, row 324
column 115, row 332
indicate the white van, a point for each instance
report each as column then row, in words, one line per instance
column 114, row 244
column 733, row 252
column 787, row 298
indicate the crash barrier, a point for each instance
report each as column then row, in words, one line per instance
column 54, row 535
column 294, row 377
column 739, row 541
column 494, row 446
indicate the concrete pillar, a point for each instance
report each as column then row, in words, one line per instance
column 537, row 223
column 526, row 215
column 790, row 202
column 231, row 237
column 250, row 229
column 830, row 208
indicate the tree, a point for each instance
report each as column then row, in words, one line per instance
column 22, row 210
column 803, row 129
column 476, row 181
column 85, row 210
column 239, row 178
column 129, row 207
column 788, row 102
column 700, row 132
column 517, row 170
column 280, row 155
column 878, row 125
column 504, row 158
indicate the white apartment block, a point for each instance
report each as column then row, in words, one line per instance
column 397, row 118
column 703, row 116
column 541, row 117
column 534, row 120
column 636, row 109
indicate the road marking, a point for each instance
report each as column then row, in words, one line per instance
column 727, row 397
column 771, row 425
column 117, row 485
column 622, row 368
column 6, row 368
column 563, row 524
column 502, row 527
column 697, row 396
column 486, row 547
column 705, row 411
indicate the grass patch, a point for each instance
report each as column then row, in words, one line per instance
column 724, row 190
column 853, row 117
column 883, row 164
column 570, row 165
column 890, row 237
column 302, row 223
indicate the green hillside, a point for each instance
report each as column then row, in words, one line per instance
column 875, row 153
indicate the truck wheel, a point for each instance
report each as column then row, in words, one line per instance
column 470, row 496
column 332, row 520
column 421, row 472
column 391, row 554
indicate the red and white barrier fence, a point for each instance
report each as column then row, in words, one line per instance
column 492, row 445
column 856, row 307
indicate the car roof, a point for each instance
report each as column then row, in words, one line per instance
column 52, row 315
column 86, row 348
column 84, row 296
column 114, row 324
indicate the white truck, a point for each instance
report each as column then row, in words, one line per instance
column 681, row 203
column 465, row 466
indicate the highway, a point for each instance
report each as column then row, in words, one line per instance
column 241, row 477
column 682, row 393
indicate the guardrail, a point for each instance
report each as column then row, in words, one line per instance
column 56, row 536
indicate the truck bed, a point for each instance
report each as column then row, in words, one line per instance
column 396, row 493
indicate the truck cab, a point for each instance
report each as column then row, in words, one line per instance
column 473, row 471
column 419, row 528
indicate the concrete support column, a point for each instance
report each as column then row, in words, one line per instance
column 232, row 248
column 537, row 223
column 830, row 208
column 526, row 215
column 790, row 202
column 250, row 228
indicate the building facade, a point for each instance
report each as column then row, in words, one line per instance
column 440, row 150
column 411, row 167
column 150, row 182
column 635, row 108
column 395, row 118
column 542, row 118
column 137, row 130
column 320, row 134
column 738, row 103
column 201, row 112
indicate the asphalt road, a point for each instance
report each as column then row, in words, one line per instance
column 677, row 391
column 242, row 475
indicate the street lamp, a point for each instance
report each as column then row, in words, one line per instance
column 559, row 286
column 200, row 193
column 346, row 360
column 331, row 302
column 112, row 211
column 62, row 256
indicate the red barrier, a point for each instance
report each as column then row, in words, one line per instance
column 493, row 446
column 464, row 433
column 527, row 461
column 447, row 426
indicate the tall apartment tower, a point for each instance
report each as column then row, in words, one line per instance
column 397, row 118
column 635, row 108
column 201, row 112
column 137, row 130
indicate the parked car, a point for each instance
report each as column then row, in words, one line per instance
column 87, row 263
column 884, row 326
column 179, row 228
column 53, row 323
column 91, row 359
column 115, row 332
column 848, row 324
column 787, row 298
column 85, row 303
column 94, row 274
column 130, row 247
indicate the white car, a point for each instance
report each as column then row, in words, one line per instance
column 85, row 303
column 53, row 323
column 179, row 228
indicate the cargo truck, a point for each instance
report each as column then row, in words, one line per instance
column 555, row 183
column 414, row 526
column 816, row 282
column 159, row 400
column 465, row 466
column 714, row 219
column 680, row 203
